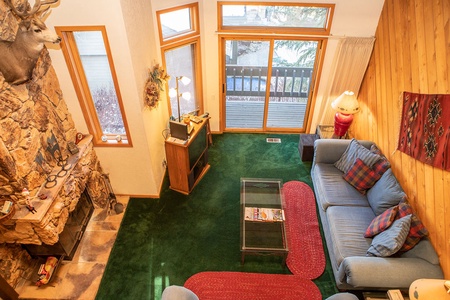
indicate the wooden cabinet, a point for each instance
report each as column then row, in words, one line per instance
column 187, row 161
column 306, row 146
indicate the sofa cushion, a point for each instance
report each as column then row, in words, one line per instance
column 417, row 230
column 346, row 228
column 391, row 240
column 381, row 222
column 355, row 150
column 386, row 193
column 424, row 250
column 333, row 189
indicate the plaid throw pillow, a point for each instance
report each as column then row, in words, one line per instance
column 382, row 164
column 381, row 222
column 362, row 177
column 416, row 231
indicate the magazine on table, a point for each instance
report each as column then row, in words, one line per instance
column 264, row 214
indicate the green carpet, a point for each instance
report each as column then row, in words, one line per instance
column 164, row 241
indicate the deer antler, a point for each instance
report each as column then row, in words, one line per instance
column 14, row 9
column 25, row 14
column 37, row 5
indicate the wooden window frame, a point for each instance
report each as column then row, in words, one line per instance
column 273, row 29
column 195, row 24
column 320, row 56
column 260, row 32
column 71, row 55
column 184, row 39
column 197, row 68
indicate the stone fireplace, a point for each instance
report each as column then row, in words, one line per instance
column 36, row 130
column 71, row 236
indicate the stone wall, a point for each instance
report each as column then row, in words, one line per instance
column 35, row 129
column 34, row 122
column 15, row 263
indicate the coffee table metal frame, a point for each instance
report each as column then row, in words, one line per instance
column 258, row 237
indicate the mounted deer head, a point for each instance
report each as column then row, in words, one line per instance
column 18, row 58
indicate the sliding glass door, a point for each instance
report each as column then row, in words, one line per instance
column 290, row 83
column 268, row 83
column 246, row 69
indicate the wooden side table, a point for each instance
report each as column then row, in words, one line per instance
column 306, row 146
column 327, row 132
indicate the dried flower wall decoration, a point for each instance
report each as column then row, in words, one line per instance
column 154, row 86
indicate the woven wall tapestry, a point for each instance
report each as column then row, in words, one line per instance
column 425, row 128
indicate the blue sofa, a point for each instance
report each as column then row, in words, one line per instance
column 346, row 213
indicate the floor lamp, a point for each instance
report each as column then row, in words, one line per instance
column 175, row 92
column 346, row 106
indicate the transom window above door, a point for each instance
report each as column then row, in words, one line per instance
column 279, row 17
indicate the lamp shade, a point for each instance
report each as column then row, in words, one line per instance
column 172, row 93
column 186, row 96
column 346, row 103
column 185, row 80
column 430, row 289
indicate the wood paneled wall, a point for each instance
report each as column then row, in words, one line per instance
column 411, row 53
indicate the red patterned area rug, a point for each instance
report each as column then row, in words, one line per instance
column 306, row 256
column 255, row 286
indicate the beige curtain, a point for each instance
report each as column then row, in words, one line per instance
column 349, row 65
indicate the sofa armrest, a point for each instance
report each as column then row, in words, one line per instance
column 390, row 272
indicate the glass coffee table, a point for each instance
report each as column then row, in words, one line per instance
column 262, row 218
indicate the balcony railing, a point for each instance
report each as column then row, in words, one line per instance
column 246, row 90
column 252, row 81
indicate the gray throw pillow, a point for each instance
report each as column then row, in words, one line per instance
column 391, row 240
column 386, row 193
column 355, row 150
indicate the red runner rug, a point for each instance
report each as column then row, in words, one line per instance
column 254, row 286
column 306, row 256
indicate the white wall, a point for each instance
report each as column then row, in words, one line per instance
column 132, row 170
column 132, row 32
column 139, row 23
